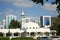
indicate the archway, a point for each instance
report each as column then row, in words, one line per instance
column 8, row 34
column 16, row 34
column 1, row 34
column 40, row 33
column 32, row 33
column 46, row 33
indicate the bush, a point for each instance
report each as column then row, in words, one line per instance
column 23, row 38
column 4, row 38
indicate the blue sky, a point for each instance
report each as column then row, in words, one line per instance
column 30, row 9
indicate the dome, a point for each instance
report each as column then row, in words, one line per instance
column 31, row 25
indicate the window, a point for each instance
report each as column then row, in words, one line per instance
column 27, row 20
column 16, row 34
column 33, row 27
column 8, row 20
column 46, row 21
column 30, row 27
column 36, row 27
column 13, row 17
column 26, row 27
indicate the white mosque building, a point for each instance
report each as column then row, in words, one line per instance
column 34, row 28
column 28, row 29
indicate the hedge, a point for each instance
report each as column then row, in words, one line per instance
column 4, row 38
column 17, row 38
column 23, row 38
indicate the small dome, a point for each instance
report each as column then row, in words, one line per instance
column 4, row 20
column 31, row 25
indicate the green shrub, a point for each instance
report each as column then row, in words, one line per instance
column 23, row 38
column 4, row 38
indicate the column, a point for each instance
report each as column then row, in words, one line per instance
column 12, row 34
column 29, row 34
column 50, row 34
column 4, row 34
column 19, row 34
column 43, row 34
column 35, row 33
column 55, row 34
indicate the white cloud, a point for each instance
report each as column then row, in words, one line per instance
column 9, row 11
column 20, row 3
column 24, row 4
column 50, row 7
column 0, row 13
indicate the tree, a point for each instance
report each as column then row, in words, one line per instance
column 38, row 1
column 56, row 25
column 15, row 24
column 57, row 2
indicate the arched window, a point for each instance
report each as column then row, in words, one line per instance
column 36, row 27
column 26, row 27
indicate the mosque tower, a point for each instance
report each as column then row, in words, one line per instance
column 22, row 19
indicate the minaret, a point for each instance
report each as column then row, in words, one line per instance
column 22, row 15
column 22, row 19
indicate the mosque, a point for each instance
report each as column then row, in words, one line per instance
column 29, row 28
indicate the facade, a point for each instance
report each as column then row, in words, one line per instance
column 9, row 18
column 4, row 23
column 45, row 21
column 1, row 26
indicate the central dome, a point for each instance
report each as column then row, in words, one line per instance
column 31, row 25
